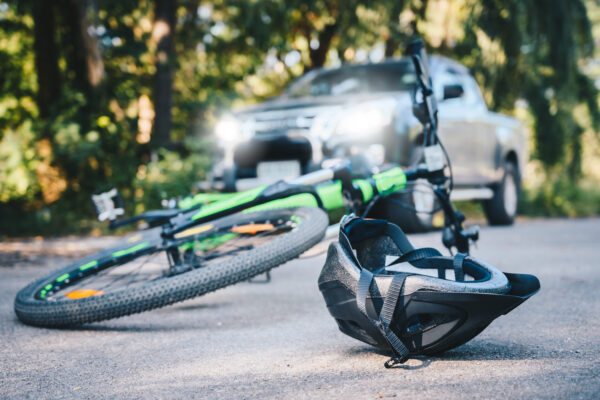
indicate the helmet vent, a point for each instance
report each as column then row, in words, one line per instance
column 423, row 330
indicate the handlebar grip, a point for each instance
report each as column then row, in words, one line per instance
column 390, row 181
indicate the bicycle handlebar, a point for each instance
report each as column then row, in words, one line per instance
column 416, row 50
column 153, row 218
column 426, row 109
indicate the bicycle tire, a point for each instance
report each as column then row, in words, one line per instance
column 64, row 312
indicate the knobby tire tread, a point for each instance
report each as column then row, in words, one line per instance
column 163, row 292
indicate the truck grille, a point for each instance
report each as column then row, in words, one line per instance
column 280, row 123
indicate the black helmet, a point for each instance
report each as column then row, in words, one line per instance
column 412, row 313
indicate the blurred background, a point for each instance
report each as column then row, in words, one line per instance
column 97, row 93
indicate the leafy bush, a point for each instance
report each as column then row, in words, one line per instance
column 562, row 197
column 168, row 176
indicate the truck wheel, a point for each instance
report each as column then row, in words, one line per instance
column 502, row 208
column 412, row 209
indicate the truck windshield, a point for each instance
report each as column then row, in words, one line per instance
column 373, row 78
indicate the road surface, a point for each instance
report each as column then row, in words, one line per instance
column 277, row 340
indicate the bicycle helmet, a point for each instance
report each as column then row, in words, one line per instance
column 409, row 312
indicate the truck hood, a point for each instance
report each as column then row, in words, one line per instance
column 317, row 116
column 304, row 104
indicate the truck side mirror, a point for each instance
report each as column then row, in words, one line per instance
column 453, row 91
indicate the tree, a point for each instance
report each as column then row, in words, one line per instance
column 542, row 43
column 46, row 56
column 163, row 35
column 82, row 51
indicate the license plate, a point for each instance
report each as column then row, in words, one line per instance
column 269, row 172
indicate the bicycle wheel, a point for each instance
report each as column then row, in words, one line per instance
column 146, row 272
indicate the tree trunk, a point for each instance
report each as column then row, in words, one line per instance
column 46, row 56
column 318, row 56
column 391, row 45
column 93, row 55
column 164, row 36
column 419, row 11
column 395, row 34
column 83, row 50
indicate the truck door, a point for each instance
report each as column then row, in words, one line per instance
column 482, row 132
column 455, row 127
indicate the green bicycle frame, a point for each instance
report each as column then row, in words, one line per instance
column 328, row 196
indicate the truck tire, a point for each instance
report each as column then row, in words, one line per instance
column 413, row 208
column 502, row 208
column 399, row 208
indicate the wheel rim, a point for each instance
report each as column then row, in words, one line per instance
column 131, row 268
column 510, row 196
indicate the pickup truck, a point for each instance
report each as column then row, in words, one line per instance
column 364, row 112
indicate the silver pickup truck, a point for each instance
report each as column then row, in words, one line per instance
column 364, row 112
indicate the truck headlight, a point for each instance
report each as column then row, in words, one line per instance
column 229, row 130
column 366, row 118
column 363, row 121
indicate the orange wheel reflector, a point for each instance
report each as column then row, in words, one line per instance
column 83, row 293
column 252, row 228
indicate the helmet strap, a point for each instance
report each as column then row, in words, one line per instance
column 386, row 315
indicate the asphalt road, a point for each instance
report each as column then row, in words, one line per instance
column 277, row 340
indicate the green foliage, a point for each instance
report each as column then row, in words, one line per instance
column 560, row 197
column 18, row 163
column 533, row 50
column 168, row 176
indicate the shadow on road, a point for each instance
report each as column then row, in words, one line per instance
column 482, row 350
column 167, row 324
column 477, row 350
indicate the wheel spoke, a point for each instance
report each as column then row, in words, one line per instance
column 150, row 267
column 131, row 273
